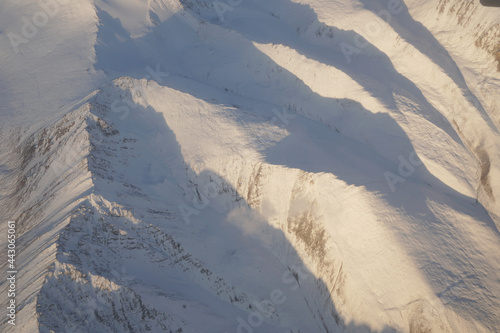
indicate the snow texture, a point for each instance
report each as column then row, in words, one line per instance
column 251, row 166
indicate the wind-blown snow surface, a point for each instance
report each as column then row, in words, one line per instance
column 252, row 166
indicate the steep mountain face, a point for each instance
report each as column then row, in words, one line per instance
column 252, row 166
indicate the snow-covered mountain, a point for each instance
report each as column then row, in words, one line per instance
column 251, row 166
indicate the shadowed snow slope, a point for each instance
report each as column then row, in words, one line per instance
column 251, row 166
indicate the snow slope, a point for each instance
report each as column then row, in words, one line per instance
column 252, row 166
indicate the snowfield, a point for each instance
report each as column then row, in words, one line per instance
column 251, row 166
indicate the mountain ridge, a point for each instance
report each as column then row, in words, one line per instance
column 256, row 179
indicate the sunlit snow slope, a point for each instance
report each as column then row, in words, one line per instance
column 251, row 165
